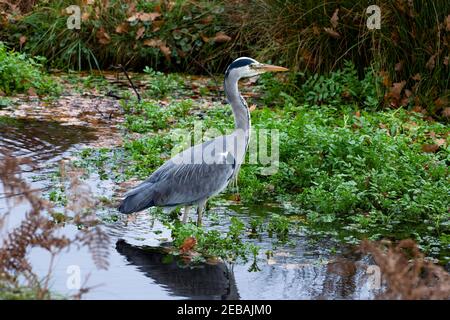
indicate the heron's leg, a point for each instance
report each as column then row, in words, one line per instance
column 186, row 213
column 201, row 206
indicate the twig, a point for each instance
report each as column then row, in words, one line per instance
column 119, row 66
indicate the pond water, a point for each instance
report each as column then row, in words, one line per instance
column 138, row 268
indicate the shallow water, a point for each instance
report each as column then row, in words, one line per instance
column 139, row 269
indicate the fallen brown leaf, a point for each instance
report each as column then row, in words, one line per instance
column 140, row 32
column 144, row 17
column 85, row 16
column 152, row 43
column 31, row 92
column 188, row 244
column 221, row 37
column 165, row 50
column 430, row 148
column 122, row 28
column 446, row 112
column 417, row 77
column 102, row 36
column 22, row 40
column 431, row 62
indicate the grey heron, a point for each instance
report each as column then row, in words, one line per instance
column 194, row 175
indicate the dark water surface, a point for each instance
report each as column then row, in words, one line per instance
column 139, row 268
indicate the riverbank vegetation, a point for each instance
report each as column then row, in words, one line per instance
column 362, row 117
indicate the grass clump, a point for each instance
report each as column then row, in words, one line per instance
column 20, row 73
column 136, row 33
column 410, row 51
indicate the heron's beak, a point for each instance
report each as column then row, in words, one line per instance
column 270, row 68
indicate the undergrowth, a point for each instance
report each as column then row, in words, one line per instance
column 20, row 73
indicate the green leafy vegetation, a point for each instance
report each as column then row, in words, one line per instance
column 229, row 246
column 20, row 73
column 353, row 173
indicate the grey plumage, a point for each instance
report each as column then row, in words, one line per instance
column 202, row 171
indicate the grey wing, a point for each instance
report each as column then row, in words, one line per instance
column 183, row 181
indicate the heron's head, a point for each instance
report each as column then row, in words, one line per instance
column 247, row 67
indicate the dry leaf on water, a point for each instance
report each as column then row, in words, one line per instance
column 188, row 244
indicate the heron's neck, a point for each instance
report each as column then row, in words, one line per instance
column 240, row 110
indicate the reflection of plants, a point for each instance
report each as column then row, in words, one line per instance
column 40, row 229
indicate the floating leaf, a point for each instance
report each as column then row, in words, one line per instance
column 188, row 244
